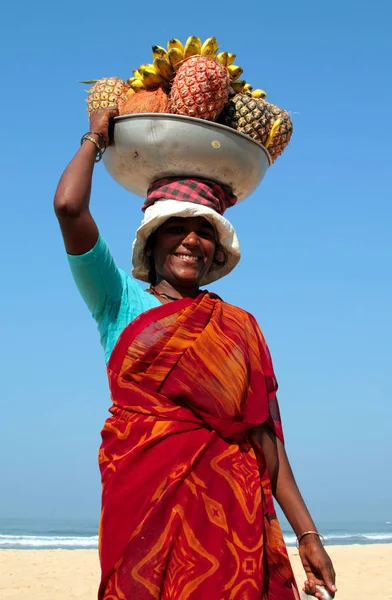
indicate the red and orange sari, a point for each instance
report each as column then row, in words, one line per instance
column 187, row 510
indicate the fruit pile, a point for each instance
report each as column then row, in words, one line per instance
column 195, row 80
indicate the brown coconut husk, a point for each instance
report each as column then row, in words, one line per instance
column 146, row 101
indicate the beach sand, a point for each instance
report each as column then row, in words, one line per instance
column 364, row 573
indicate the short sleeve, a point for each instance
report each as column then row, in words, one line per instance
column 267, row 406
column 112, row 296
column 97, row 277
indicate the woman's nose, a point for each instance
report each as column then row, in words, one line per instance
column 191, row 239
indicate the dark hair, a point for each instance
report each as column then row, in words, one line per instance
column 220, row 257
column 152, row 274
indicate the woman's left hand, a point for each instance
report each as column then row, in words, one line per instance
column 100, row 121
column 318, row 567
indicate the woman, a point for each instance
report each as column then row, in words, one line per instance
column 193, row 451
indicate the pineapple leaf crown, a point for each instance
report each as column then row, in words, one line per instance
column 165, row 62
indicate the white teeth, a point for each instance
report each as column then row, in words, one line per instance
column 188, row 257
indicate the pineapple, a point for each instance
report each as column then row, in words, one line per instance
column 248, row 115
column 109, row 91
column 255, row 117
column 283, row 133
column 200, row 88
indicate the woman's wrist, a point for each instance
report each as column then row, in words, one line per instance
column 99, row 137
column 84, row 140
column 310, row 538
column 96, row 142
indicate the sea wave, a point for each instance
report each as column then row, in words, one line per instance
column 377, row 536
column 347, row 538
column 85, row 542
column 26, row 542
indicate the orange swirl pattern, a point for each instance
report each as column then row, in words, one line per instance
column 187, row 509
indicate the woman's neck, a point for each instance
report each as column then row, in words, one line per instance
column 176, row 291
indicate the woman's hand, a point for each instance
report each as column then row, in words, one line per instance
column 318, row 566
column 99, row 121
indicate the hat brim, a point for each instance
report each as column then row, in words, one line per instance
column 163, row 210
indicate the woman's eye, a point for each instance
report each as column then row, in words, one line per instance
column 206, row 233
column 175, row 229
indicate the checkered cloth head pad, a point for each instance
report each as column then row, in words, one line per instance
column 199, row 191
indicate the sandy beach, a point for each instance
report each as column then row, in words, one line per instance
column 364, row 573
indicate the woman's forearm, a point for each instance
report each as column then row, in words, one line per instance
column 72, row 198
column 289, row 497
column 74, row 188
column 284, row 486
column 316, row 562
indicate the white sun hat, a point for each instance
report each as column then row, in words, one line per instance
column 162, row 210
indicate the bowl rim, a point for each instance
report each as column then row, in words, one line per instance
column 204, row 122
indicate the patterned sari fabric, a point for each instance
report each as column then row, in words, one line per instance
column 187, row 510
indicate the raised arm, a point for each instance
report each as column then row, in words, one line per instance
column 93, row 268
column 315, row 560
column 72, row 198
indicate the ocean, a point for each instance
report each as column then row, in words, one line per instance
column 43, row 534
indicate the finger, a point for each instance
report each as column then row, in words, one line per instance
column 310, row 587
column 328, row 575
column 113, row 112
column 324, row 594
column 109, row 112
column 106, row 109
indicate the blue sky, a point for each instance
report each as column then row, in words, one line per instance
column 316, row 241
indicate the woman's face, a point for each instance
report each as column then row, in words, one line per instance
column 184, row 250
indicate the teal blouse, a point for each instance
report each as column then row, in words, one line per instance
column 113, row 297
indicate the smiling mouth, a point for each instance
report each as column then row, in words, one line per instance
column 188, row 258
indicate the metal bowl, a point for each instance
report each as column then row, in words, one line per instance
column 150, row 146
